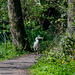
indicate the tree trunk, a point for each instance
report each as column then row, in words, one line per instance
column 16, row 25
column 24, row 9
column 71, row 17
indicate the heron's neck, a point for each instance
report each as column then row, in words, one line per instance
column 37, row 40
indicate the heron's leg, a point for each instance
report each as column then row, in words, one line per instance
column 37, row 51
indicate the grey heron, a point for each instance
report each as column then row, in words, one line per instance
column 36, row 45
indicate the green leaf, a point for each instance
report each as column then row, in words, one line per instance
column 43, row 2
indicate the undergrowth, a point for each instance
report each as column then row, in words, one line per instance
column 57, row 61
column 9, row 51
column 54, row 64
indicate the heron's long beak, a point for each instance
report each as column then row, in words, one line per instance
column 40, row 37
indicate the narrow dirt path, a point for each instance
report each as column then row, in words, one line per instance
column 18, row 66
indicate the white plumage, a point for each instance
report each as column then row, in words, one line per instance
column 36, row 45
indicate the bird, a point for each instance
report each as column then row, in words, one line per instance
column 36, row 45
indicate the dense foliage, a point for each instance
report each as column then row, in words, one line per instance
column 54, row 63
column 48, row 20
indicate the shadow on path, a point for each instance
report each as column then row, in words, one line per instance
column 18, row 66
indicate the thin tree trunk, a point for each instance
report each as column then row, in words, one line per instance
column 71, row 17
column 16, row 25
column 24, row 1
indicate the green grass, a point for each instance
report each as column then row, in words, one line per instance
column 8, row 51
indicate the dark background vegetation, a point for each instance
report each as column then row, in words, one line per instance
column 48, row 20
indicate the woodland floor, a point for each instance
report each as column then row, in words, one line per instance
column 18, row 66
